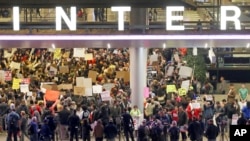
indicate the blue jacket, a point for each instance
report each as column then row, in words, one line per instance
column 246, row 112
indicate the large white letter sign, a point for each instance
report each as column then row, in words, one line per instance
column 224, row 18
column 170, row 18
column 60, row 14
column 121, row 11
column 16, row 19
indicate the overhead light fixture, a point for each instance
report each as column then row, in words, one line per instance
column 53, row 46
column 164, row 45
column 206, row 45
column 108, row 45
column 248, row 45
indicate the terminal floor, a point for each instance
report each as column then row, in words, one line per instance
column 217, row 98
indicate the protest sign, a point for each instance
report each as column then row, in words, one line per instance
column 108, row 86
column 146, row 92
column 57, row 53
column 52, row 95
column 79, row 90
column 79, row 81
column 105, row 96
column 171, row 89
column 2, row 74
column 88, row 56
column 88, row 91
column 15, row 65
column 185, row 84
column 87, row 83
column 153, row 58
column 170, row 71
column 65, row 87
column 16, row 84
column 182, row 92
column 92, row 75
column 185, row 71
column 196, row 105
column 79, row 52
column 24, row 88
column 97, row 89
column 64, row 69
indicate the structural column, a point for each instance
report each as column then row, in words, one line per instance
column 138, row 68
column 138, row 57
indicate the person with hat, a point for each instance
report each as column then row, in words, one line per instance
column 12, row 121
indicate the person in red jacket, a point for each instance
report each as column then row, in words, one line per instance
column 34, row 107
column 174, row 114
column 189, row 111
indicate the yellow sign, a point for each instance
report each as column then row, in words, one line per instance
column 57, row 53
column 16, row 84
column 182, row 92
column 171, row 89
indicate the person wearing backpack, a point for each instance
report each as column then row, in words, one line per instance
column 174, row 132
column 12, row 123
column 33, row 129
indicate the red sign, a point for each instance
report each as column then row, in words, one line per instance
column 25, row 81
column 7, row 76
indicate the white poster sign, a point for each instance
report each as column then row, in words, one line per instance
column 79, row 52
column 24, row 88
column 185, row 84
column 185, row 71
column 79, row 81
column 88, row 91
column 153, row 58
column 108, row 86
column 97, row 89
column 105, row 96
column 87, row 83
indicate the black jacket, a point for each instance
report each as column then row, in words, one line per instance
column 110, row 131
column 212, row 131
column 195, row 130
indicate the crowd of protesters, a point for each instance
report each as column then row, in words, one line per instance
column 166, row 116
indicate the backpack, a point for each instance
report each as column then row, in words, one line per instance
column 30, row 129
column 12, row 122
column 51, row 122
column 85, row 114
column 174, row 133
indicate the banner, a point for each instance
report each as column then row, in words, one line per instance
column 51, row 95
column 171, row 89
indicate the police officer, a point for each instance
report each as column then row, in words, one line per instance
column 128, row 125
column 74, row 122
